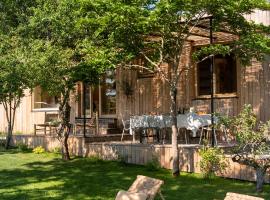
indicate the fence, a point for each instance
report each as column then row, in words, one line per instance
column 138, row 154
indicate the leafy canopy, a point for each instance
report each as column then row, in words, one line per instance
column 64, row 49
column 159, row 29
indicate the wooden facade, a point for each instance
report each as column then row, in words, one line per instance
column 150, row 93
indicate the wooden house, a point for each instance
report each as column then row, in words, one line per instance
column 125, row 92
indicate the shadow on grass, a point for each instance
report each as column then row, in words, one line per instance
column 83, row 178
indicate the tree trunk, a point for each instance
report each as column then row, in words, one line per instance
column 260, row 172
column 10, row 119
column 9, row 135
column 65, row 152
column 175, row 167
column 65, row 128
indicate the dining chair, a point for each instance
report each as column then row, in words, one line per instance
column 126, row 127
column 208, row 131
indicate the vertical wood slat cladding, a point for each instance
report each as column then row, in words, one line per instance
column 152, row 95
column 253, row 84
column 259, row 16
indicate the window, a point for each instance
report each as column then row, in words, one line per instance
column 224, row 75
column 86, row 95
column 108, row 94
column 42, row 100
column 143, row 72
column 98, row 98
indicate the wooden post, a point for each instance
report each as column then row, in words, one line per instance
column 212, row 85
column 35, row 129
column 50, row 129
column 84, row 119
column 97, row 123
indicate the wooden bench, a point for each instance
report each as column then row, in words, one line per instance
column 142, row 188
column 50, row 118
column 235, row 196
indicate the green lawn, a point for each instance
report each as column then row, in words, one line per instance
column 45, row 176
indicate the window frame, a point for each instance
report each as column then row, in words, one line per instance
column 48, row 109
column 216, row 95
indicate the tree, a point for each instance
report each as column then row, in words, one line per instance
column 158, row 30
column 15, row 75
column 252, row 144
column 64, row 52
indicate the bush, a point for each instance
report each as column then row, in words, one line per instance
column 22, row 147
column 212, row 161
column 252, row 147
column 123, row 160
column 39, row 150
column 56, row 150
column 153, row 165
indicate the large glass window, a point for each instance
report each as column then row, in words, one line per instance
column 84, row 100
column 42, row 100
column 108, row 94
column 98, row 98
column 224, row 75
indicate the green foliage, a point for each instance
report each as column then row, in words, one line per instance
column 15, row 73
column 136, row 26
column 225, row 122
column 95, row 159
column 56, row 150
column 22, row 147
column 153, row 165
column 123, row 160
column 252, row 136
column 18, row 132
column 212, row 161
column 64, row 51
column 252, row 147
column 39, row 150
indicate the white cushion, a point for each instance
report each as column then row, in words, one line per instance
column 123, row 195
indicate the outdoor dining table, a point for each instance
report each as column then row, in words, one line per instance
column 191, row 121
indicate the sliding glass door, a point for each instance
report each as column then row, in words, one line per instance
column 100, row 98
column 108, row 94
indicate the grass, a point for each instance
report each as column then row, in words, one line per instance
column 25, row 175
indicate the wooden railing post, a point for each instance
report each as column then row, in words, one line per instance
column 97, row 123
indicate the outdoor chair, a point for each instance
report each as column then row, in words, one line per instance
column 126, row 127
column 143, row 188
column 235, row 196
column 49, row 122
column 186, row 133
column 207, row 130
column 90, row 124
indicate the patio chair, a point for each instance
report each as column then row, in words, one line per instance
column 126, row 126
column 186, row 133
column 90, row 124
column 235, row 196
column 143, row 188
column 48, row 123
column 208, row 130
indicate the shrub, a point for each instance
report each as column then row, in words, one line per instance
column 123, row 160
column 212, row 161
column 38, row 150
column 153, row 165
column 22, row 147
column 57, row 150
column 252, row 147
column 18, row 133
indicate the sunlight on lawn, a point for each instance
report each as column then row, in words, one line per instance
column 46, row 176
